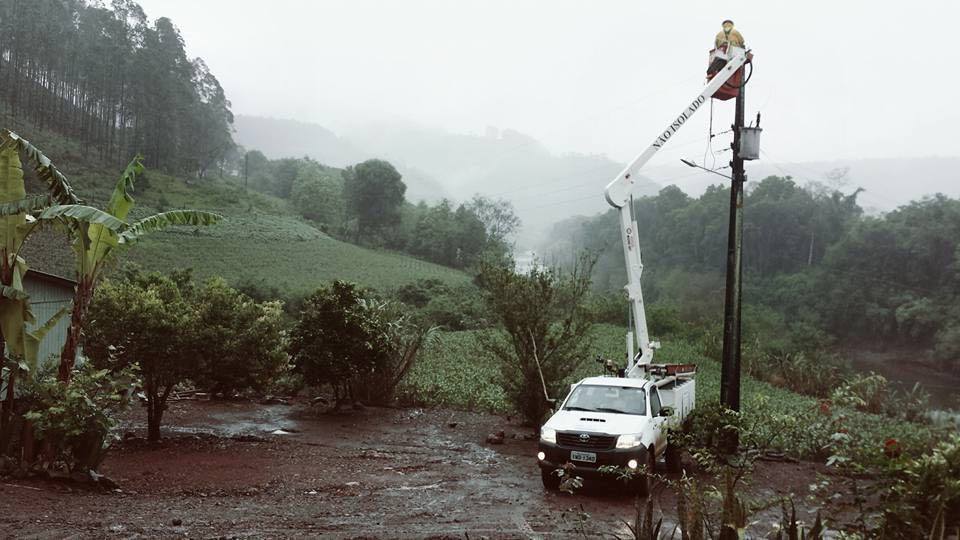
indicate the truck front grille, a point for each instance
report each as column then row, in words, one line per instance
column 591, row 441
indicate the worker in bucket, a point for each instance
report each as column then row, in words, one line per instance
column 728, row 36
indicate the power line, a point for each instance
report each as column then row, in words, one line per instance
column 552, row 180
column 593, row 196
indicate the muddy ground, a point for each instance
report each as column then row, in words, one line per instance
column 224, row 470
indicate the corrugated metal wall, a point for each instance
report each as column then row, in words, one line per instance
column 47, row 297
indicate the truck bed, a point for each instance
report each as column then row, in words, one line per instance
column 679, row 394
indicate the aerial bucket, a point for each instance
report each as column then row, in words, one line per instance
column 719, row 58
column 750, row 143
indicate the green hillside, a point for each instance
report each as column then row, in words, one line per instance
column 262, row 240
column 282, row 252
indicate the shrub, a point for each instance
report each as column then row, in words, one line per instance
column 435, row 303
column 361, row 347
column 607, row 308
column 920, row 489
column 462, row 308
column 868, row 393
column 545, row 323
column 814, row 374
column 240, row 342
column 419, row 293
column 336, row 339
column 873, row 393
column 74, row 420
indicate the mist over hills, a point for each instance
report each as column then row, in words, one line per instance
column 546, row 187
column 543, row 186
column 291, row 138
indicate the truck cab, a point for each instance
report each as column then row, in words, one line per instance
column 613, row 421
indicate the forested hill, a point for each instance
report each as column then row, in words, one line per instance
column 279, row 139
column 114, row 82
column 817, row 268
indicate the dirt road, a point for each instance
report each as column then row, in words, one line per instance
column 226, row 471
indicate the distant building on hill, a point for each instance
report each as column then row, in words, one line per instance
column 48, row 295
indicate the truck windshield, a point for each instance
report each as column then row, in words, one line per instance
column 610, row 399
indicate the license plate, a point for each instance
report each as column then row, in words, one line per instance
column 589, row 457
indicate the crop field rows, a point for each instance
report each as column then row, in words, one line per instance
column 297, row 257
column 460, row 374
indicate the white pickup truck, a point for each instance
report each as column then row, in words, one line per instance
column 618, row 421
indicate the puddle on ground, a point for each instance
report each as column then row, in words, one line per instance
column 265, row 420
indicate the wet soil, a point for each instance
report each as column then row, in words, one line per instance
column 224, row 470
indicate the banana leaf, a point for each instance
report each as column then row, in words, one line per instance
column 57, row 183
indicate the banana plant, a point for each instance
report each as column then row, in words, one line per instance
column 19, row 347
column 96, row 236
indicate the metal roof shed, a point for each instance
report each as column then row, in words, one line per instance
column 48, row 295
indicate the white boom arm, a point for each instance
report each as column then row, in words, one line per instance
column 618, row 194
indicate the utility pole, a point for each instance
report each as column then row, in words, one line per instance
column 730, row 369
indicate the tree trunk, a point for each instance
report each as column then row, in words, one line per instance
column 154, row 415
column 81, row 301
column 156, row 404
column 6, row 418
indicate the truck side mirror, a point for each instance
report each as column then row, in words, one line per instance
column 666, row 411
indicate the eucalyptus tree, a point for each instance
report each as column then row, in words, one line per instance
column 103, row 76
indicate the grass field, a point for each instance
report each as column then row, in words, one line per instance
column 460, row 374
column 283, row 252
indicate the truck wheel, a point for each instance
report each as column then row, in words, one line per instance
column 643, row 484
column 674, row 464
column 551, row 481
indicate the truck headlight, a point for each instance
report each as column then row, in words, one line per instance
column 548, row 435
column 628, row 441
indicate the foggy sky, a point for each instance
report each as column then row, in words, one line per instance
column 836, row 79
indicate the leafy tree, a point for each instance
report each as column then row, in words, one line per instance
column 209, row 139
column 337, row 340
column 148, row 323
column 446, row 236
column 317, row 194
column 283, row 172
column 374, row 193
column 255, row 170
column 240, row 343
column 498, row 217
column 545, row 323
